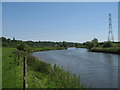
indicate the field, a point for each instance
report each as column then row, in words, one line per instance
column 39, row 74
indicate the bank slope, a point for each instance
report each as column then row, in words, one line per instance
column 39, row 73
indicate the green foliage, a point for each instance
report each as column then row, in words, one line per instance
column 48, row 76
column 91, row 44
column 47, row 48
column 51, row 77
column 38, row 65
column 14, row 43
column 10, row 43
column 95, row 42
column 24, row 47
column 77, row 45
column 65, row 44
column 115, row 50
column 108, row 44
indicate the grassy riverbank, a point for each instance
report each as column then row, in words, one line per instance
column 47, row 48
column 39, row 74
column 114, row 50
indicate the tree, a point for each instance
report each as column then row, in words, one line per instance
column 3, row 39
column 64, row 44
column 108, row 44
column 77, row 44
column 89, row 44
column 95, row 42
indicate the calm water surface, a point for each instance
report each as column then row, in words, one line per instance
column 97, row 70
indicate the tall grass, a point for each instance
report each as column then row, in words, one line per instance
column 54, row 76
column 114, row 50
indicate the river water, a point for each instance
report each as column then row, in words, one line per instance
column 96, row 70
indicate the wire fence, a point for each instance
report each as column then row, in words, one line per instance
column 35, row 77
column 21, row 69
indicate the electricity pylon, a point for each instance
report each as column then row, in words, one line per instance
column 110, row 33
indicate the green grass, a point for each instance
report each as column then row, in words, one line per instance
column 51, row 77
column 11, row 74
column 47, row 48
column 114, row 50
column 116, row 44
column 39, row 73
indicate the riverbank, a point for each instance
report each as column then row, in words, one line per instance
column 46, row 75
column 47, row 48
column 113, row 50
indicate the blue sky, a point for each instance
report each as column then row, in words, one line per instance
column 63, row 21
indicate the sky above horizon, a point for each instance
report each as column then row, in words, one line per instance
column 60, row 21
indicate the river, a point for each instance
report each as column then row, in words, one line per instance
column 96, row 70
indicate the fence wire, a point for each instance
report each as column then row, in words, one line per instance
column 34, row 76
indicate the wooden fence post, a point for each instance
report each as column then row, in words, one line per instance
column 24, row 73
column 18, row 57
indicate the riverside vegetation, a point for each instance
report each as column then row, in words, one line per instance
column 93, row 45
column 106, row 47
column 47, row 76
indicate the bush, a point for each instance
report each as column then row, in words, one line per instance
column 24, row 47
column 89, row 45
column 65, row 44
column 108, row 44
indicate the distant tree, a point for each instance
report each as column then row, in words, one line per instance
column 60, row 44
column 14, row 43
column 89, row 44
column 13, row 40
column 108, row 44
column 64, row 44
column 8, row 40
column 95, row 42
column 77, row 44
column 3, row 39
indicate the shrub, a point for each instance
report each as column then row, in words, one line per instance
column 108, row 44
column 65, row 44
column 24, row 47
column 89, row 45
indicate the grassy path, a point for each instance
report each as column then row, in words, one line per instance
column 11, row 76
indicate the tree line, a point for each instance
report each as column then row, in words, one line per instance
column 95, row 43
column 7, row 42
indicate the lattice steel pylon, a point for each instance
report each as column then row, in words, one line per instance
column 110, row 33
